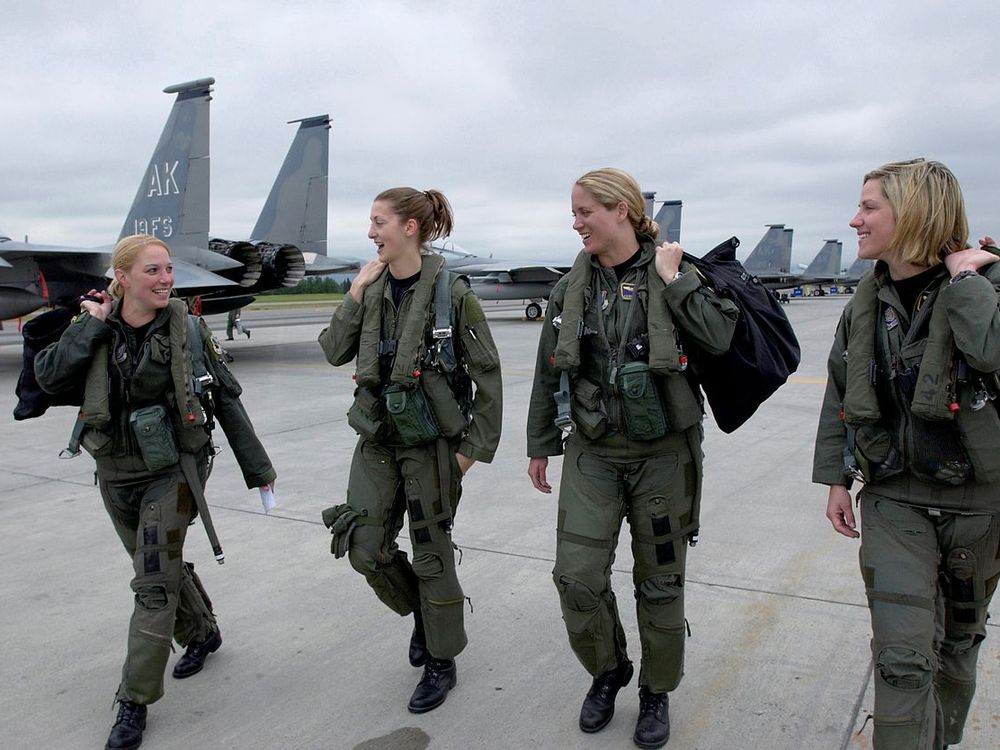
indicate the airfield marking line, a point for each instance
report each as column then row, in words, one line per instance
column 543, row 558
column 808, row 380
column 88, row 483
column 857, row 706
column 338, row 420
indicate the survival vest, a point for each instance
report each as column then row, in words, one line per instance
column 189, row 374
column 668, row 400
column 423, row 369
column 952, row 433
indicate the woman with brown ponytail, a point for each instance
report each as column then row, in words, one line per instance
column 427, row 406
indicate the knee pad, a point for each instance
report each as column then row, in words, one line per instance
column 661, row 589
column 151, row 597
column 903, row 668
column 428, row 566
column 575, row 595
column 362, row 560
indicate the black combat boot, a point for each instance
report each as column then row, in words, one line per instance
column 418, row 642
column 194, row 658
column 652, row 730
column 440, row 676
column 126, row 734
column 599, row 705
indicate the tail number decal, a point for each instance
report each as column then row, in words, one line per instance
column 157, row 226
column 162, row 180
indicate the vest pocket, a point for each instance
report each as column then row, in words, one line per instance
column 447, row 412
column 979, row 431
column 877, row 455
column 587, row 406
column 410, row 414
column 644, row 417
column 937, row 454
column 367, row 415
column 154, row 436
column 95, row 442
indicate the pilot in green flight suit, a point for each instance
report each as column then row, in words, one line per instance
column 910, row 410
column 427, row 406
column 136, row 358
column 612, row 350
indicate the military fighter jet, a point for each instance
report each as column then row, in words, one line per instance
column 289, row 238
column 172, row 203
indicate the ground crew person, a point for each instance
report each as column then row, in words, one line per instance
column 235, row 323
column 909, row 411
column 147, row 427
column 613, row 350
column 421, row 343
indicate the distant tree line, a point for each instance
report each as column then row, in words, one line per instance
column 317, row 285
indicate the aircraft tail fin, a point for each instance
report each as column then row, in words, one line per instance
column 860, row 267
column 295, row 212
column 773, row 254
column 669, row 219
column 827, row 260
column 172, row 200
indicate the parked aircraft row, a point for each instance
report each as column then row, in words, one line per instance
column 770, row 261
column 172, row 203
column 288, row 240
column 496, row 279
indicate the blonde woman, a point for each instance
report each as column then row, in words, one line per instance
column 146, row 426
column 908, row 411
column 613, row 351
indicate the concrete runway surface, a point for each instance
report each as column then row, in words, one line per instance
column 778, row 656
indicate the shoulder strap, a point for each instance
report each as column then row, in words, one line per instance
column 200, row 376
column 442, row 332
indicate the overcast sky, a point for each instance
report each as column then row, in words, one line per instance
column 751, row 113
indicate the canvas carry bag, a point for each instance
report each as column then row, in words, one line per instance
column 38, row 333
column 764, row 351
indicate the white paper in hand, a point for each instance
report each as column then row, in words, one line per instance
column 267, row 497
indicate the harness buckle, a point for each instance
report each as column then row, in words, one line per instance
column 565, row 423
column 441, row 333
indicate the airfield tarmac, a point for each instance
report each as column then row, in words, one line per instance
column 778, row 656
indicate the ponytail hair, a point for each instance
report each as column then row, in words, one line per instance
column 429, row 208
column 612, row 186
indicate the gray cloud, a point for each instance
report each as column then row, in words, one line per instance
column 750, row 113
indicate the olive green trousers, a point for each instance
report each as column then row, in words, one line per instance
column 929, row 578
column 151, row 518
column 423, row 482
column 601, row 485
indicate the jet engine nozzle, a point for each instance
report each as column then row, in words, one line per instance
column 245, row 253
column 281, row 265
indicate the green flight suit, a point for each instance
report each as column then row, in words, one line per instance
column 151, row 510
column 930, row 549
column 388, row 478
column 607, row 476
